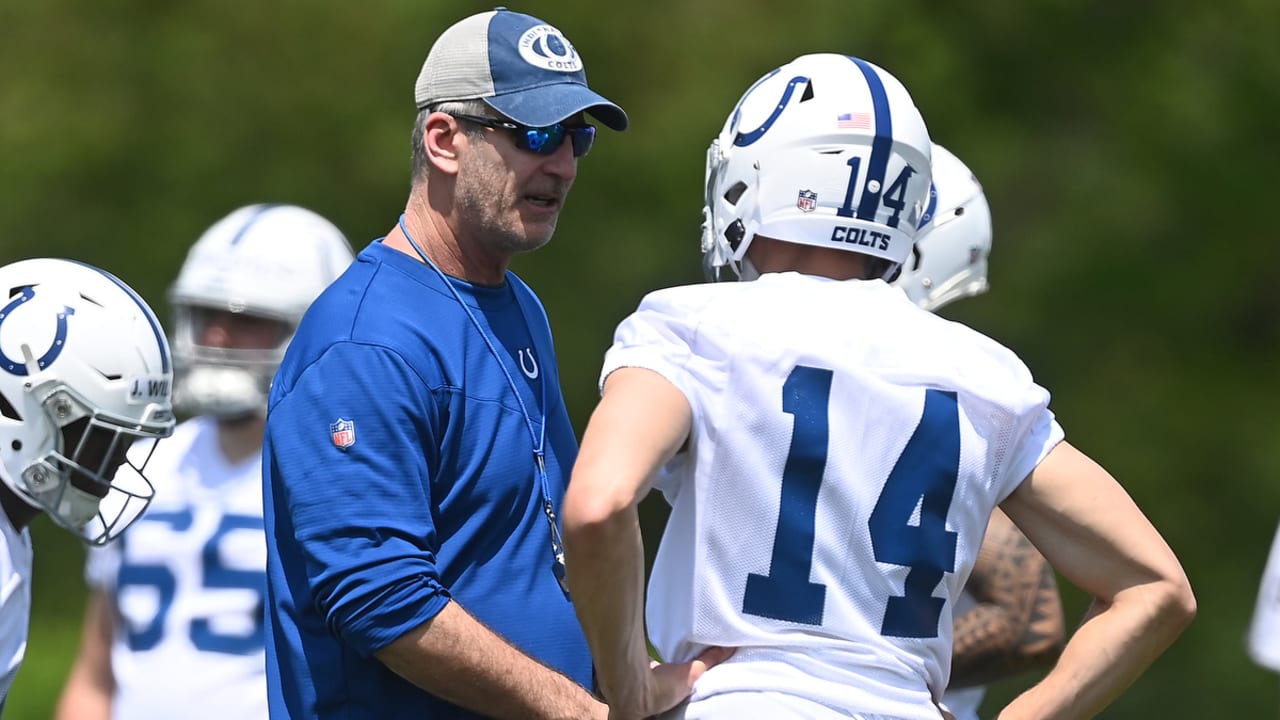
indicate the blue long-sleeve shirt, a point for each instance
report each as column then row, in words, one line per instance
column 399, row 474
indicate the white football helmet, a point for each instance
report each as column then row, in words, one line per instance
column 84, row 373
column 952, row 247
column 266, row 261
column 827, row 150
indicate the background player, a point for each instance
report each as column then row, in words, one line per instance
column 174, row 621
column 1009, row 615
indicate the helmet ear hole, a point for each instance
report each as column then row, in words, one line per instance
column 734, row 234
column 8, row 410
column 733, row 194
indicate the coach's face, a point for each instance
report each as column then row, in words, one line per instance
column 511, row 198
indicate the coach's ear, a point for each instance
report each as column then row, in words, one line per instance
column 442, row 137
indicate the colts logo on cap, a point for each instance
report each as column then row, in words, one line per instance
column 343, row 433
column 543, row 46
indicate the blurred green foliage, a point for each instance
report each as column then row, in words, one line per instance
column 1122, row 147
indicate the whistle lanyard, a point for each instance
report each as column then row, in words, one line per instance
column 537, row 437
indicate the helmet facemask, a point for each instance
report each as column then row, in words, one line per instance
column 91, row 480
column 231, row 381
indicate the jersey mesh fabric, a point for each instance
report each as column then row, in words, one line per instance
column 836, row 377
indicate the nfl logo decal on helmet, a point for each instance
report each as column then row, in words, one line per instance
column 343, row 433
column 807, row 201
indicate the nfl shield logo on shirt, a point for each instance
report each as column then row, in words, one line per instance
column 343, row 433
column 807, row 201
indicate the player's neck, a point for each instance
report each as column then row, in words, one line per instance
column 241, row 438
column 771, row 256
column 19, row 513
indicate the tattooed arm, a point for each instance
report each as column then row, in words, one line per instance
column 1017, row 624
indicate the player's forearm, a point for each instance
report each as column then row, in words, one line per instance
column 1108, row 652
column 91, row 683
column 640, row 423
column 83, row 701
column 606, row 555
column 87, row 695
column 984, row 640
column 993, row 641
column 457, row 658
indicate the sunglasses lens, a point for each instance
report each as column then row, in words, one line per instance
column 546, row 140
column 543, row 140
column 582, row 139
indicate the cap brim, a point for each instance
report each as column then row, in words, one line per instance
column 550, row 104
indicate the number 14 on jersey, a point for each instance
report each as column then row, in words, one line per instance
column 923, row 478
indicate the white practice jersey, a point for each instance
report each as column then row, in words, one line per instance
column 964, row 702
column 1264, row 632
column 15, row 601
column 848, row 449
column 189, row 579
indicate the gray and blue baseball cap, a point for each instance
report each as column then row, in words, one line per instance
column 521, row 66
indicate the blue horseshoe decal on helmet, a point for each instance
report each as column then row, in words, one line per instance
column 14, row 367
column 745, row 139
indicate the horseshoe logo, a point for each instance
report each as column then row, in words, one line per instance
column 543, row 46
column 743, row 139
column 16, row 367
column 530, row 372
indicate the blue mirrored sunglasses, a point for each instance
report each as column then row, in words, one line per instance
column 541, row 140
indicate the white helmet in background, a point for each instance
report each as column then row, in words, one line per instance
column 827, row 150
column 263, row 261
column 84, row 373
column 950, row 259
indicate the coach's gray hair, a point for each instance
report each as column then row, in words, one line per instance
column 453, row 107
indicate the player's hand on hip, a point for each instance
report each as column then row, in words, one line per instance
column 670, row 683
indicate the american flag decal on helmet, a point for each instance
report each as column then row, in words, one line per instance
column 343, row 433
column 856, row 120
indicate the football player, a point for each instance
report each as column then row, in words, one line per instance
column 85, row 376
column 174, row 625
column 833, row 452
column 1008, row 617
